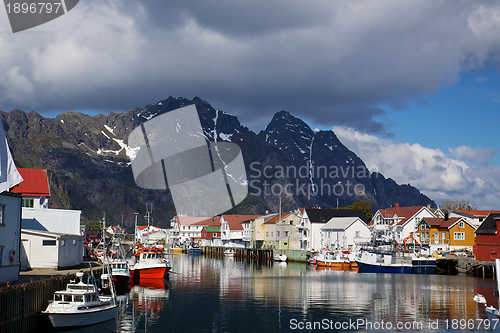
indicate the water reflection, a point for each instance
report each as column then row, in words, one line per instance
column 230, row 295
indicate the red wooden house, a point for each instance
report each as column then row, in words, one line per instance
column 488, row 239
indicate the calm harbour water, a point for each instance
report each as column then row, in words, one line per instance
column 228, row 295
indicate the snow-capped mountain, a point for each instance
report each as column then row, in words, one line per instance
column 88, row 162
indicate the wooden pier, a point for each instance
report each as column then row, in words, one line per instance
column 264, row 256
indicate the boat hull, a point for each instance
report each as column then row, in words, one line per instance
column 194, row 251
column 151, row 273
column 87, row 318
column 393, row 269
column 423, row 266
column 338, row 265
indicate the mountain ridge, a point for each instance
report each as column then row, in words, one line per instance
column 88, row 162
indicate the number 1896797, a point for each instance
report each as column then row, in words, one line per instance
column 33, row 8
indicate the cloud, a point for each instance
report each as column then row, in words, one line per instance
column 438, row 176
column 332, row 63
column 474, row 155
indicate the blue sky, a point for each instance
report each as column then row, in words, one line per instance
column 464, row 113
column 410, row 86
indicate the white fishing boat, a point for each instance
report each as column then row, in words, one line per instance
column 280, row 257
column 80, row 304
column 120, row 269
column 492, row 313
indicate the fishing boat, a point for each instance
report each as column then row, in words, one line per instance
column 333, row 260
column 194, row 250
column 81, row 304
column 383, row 262
column 492, row 313
column 120, row 269
column 229, row 253
column 150, row 263
column 280, row 257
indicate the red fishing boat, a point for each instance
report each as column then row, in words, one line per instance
column 150, row 263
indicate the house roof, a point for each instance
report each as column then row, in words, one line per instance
column 35, row 183
column 403, row 212
column 211, row 221
column 475, row 213
column 489, row 225
column 432, row 221
column 317, row 215
column 55, row 235
column 234, row 221
column 190, row 220
column 441, row 222
column 276, row 218
column 212, row 228
column 339, row 223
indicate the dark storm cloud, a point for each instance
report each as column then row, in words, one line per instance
column 332, row 63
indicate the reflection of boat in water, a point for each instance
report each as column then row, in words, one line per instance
column 80, row 304
column 280, row 257
column 492, row 313
column 229, row 253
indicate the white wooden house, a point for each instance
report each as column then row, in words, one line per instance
column 10, row 235
column 232, row 231
column 399, row 222
column 313, row 219
column 344, row 233
column 41, row 249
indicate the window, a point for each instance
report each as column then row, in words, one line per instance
column 67, row 298
column 424, row 237
column 78, row 298
column 417, row 220
column 461, row 224
column 357, row 234
column 291, row 222
column 63, row 242
column 49, row 242
column 271, row 234
column 57, row 297
column 1, row 254
column 285, row 244
column 436, row 237
column 74, row 242
column 2, row 209
column 286, row 233
column 27, row 202
column 214, row 234
column 267, row 234
column 424, row 226
column 459, row 235
column 277, row 234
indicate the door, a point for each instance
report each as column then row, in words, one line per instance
column 25, row 254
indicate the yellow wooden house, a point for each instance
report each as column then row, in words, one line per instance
column 446, row 234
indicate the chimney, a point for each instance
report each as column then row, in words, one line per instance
column 429, row 206
column 397, row 205
column 446, row 216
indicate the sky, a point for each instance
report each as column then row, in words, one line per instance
column 412, row 87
